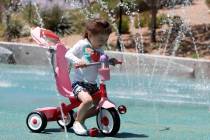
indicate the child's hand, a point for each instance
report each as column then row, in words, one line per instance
column 114, row 61
column 81, row 64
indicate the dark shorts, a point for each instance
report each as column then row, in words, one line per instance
column 84, row 86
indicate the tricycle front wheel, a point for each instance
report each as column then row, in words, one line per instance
column 108, row 121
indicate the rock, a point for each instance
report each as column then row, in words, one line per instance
column 6, row 56
column 112, row 41
column 127, row 40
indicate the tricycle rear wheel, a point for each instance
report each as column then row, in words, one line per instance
column 67, row 122
column 108, row 121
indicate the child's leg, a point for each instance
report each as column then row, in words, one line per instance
column 92, row 111
column 86, row 103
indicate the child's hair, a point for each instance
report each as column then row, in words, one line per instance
column 96, row 26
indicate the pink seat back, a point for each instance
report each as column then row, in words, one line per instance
column 63, row 81
column 46, row 39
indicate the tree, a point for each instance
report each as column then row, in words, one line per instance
column 142, row 6
column 154, row 6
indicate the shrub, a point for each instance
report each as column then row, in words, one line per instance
column 144, row 20
column 51, row 17
column 208, row 2
column 57, row 20
column 29, row 13
column 125, row 24
column 1, row 16
column 77, row 25
column 161, row 19
column 177, row 24
column 26, row 30
column 194, row 55
column 2, row 30
column 136, row 21
column 13, row 29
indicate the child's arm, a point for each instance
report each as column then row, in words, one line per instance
column 72, row 57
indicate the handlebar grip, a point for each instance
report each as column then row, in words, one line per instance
column 76, row 66
column 114, row 62
column 119, row 62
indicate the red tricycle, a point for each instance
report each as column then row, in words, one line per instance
column 108, row 120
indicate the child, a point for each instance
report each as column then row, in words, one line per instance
column 84, row 84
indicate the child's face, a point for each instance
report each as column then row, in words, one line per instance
column 99, row 40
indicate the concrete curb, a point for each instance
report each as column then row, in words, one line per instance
column 29, row 54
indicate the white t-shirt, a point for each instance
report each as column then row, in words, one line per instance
column 75, row 54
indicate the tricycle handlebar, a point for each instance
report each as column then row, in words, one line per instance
column 87, row 65
column 98, row 63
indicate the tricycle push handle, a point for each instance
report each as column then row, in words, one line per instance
column 104, row 62
column 87, row 65
column 97, row 63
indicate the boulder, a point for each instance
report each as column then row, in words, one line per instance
column 6, row 56
column 127, row 40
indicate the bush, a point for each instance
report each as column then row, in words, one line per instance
column 144, row 20
column 13, row 29
column 56, row 20
column 161, row 19
column 78, row 24
column 136, row 21
column 2, row 30
column 51, row 17
column 29, row 13
column 98, row 11
column 125, row 25
column 1, row 16
column 177, row 23
column 195, row 56
column 65, row 26
column 208, row 3
column 26, row 30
